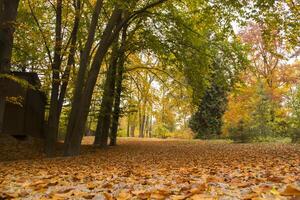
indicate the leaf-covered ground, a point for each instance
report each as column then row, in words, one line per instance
column 157, row 169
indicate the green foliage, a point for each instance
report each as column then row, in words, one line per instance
column 207, row 121
column 295, row 136
column 160, row 131
column 122, row 132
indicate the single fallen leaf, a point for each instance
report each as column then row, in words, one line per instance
column 178, row 197
column 251, row 195
column 143, row 194
column 158, row 196
column 201, row 197
column 107, row 196
column 262, row 189
column 276, row 179
column 91, row 185
column 198, row 189
column 291, row 190
column 65, row 190
column 124, row 195
column 59, row 196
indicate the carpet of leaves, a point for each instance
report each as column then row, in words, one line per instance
column 156, row 169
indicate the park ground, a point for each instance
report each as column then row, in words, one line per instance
column 153, row 169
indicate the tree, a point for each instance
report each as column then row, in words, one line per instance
column 118, row 89
column 207, row 121
column 104, row 120
column 8, row 15
column 79, row 112
column 59, row 84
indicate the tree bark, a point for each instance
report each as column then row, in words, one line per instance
column 150, row 127
column 102, row 131
column 128, row 127
column 141, row 122
column 84, row 62
column 132, row 130
column 53, row 120
column 71, row 58
column 78, row 119
column 117, row 101
column 147, row 126
column 2, row 111
column 8, row 15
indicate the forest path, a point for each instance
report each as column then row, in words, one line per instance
column 159, row 169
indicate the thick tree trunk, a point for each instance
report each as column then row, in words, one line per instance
column 78, row 119
column 8, row 15
column 102, row 131
column 53, row 120
column 117, row 101
column 84, row 62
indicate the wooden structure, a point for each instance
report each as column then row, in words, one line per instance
column 22, row 105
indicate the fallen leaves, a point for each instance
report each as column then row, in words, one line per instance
column 159, row 169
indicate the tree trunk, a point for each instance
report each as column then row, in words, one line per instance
column 141, row 123
column 150, row 127
column 53, row 120
column 8, row 15
column 84, row 62
column 102, row 131
column 140, row 119
column 116, row 113
column 71, row 58
column 2, row 110
column 78, row 119
column 132, row 130
column 128, row 127
column 147, row 126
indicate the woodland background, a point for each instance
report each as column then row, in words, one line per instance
column 183, row 69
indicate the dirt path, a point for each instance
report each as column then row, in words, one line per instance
column 159, row 169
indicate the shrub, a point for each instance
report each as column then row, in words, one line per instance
column 295, row 136
column 161, row 131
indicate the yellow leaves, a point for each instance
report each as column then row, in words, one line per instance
column 42, row 184
column 160, row 193
column 178, row 197
column 202, row 197
column 124, row 195
column 142, row 194
column 157, row 196
column 91, row 185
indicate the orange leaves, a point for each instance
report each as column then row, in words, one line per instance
column 159, row 169
column 291, row 190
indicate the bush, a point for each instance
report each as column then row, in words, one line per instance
column 295, row 136
column 161, row 131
